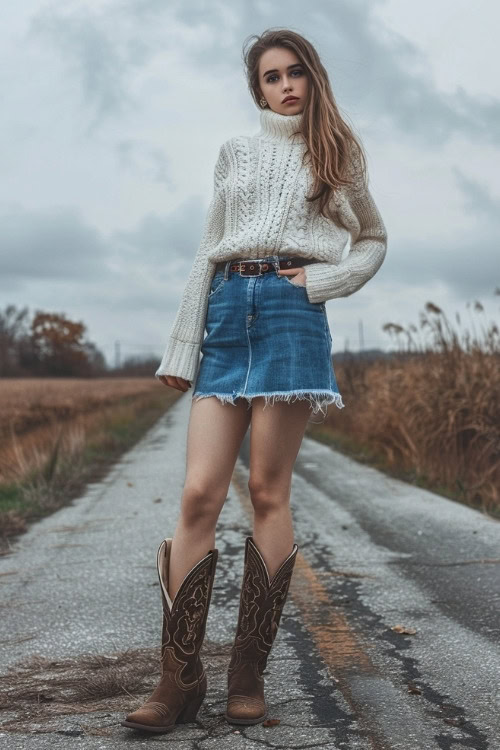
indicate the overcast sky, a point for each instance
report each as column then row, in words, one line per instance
column 113, row 112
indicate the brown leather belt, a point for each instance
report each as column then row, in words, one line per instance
column 258, row 267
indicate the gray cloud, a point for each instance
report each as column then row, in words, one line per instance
column 373, row 68
column 478, row 199
column 54, row 244
column 465, row 266
column 166, row 242
column 91, row 52
column 144, row 159
column 58, row 245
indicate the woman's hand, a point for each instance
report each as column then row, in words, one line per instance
column 298, row 272
column 179, row 383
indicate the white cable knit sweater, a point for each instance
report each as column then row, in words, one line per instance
column 258, row 208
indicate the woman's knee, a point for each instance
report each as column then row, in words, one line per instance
column 268, row 496
column 201, row 505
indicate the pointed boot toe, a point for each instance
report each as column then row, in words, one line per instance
column 242, row 709
column 151, row 717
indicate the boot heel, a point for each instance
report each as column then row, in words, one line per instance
column 189, row 712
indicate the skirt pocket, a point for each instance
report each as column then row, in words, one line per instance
column 321, row 305
column 298, row 286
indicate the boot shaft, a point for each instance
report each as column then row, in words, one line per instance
column 261, row 605
column 185, row 618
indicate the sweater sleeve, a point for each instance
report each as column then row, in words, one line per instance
column 325, row 281
column 181, row 356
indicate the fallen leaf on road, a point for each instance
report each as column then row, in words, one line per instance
column 403, row 629
column 270, row 722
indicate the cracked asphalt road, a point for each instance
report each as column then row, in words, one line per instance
column 374, row 553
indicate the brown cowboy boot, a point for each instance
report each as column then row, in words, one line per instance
column 183, row 683
column 261, row 605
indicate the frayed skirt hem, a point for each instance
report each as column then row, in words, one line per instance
column 318, row 400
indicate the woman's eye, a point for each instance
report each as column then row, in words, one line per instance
column 270, row 79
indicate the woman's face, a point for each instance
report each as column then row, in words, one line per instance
column 281, row 74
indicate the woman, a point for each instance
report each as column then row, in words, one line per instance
column 285, row 202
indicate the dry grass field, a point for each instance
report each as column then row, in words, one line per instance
column 430, row 414
column 57, row 433
column 27, row 403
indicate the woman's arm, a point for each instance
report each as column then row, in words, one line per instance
column 181, row 357
column 368, row 248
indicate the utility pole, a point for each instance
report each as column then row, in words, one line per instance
column 117, row 355
column 361, row 337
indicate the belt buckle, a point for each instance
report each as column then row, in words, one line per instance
column 250, row 268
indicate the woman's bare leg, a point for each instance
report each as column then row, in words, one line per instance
column 275, row 437
column 215, row 433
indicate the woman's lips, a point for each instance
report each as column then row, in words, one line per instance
column 293, row 99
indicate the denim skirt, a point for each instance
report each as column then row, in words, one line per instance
column 265, row 338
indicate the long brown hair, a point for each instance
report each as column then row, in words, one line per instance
column 336, row 156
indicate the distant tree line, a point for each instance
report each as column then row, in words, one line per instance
column 46, row 344
column 50, row 345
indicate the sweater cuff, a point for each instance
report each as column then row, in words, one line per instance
column 324, row 281
column 181, row 359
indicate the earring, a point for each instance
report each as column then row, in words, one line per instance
column 263, row 103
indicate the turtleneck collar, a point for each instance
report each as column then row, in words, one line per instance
column 279, row 128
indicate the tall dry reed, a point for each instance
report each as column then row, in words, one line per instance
column 432, row 408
